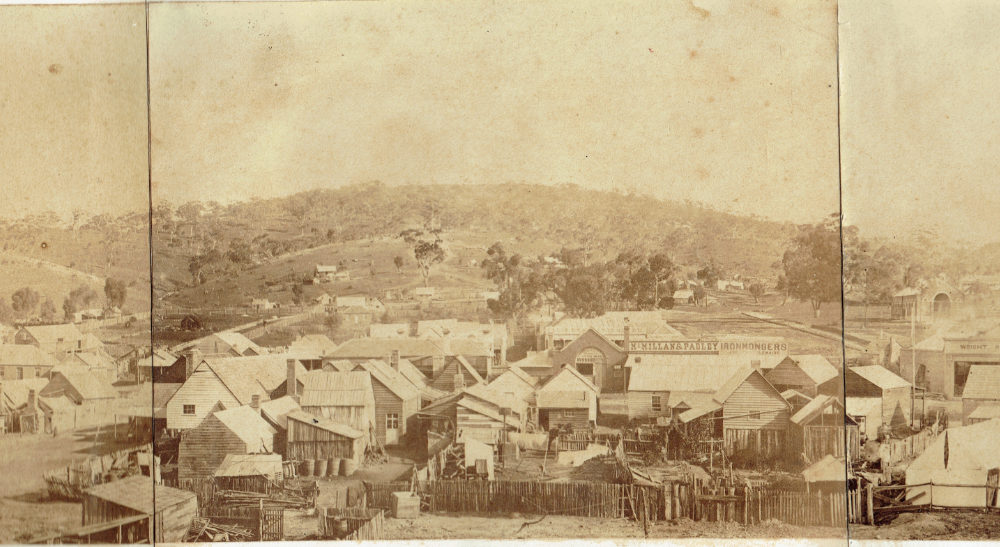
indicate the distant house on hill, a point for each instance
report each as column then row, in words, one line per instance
column 227, row 383
column 262, row 304
column 683, row 296
column 325, row 272
column 54, row 339
column 239, row 430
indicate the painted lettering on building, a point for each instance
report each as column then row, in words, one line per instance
column 709, row 347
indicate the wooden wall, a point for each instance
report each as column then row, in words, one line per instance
column 306, row 442
column 557, row 417
column 788, row 375
column 204, row 390
column 173, row 522
column 387, row 402
column 203, row 448
column 755, row 395
column 358, row 417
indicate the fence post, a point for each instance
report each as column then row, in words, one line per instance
column 871, row 505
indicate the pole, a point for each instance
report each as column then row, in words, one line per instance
column 913, row 358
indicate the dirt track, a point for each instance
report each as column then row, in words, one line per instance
column 965, row 525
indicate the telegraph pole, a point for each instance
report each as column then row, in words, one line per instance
column 913, row 358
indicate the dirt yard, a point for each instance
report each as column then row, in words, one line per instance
column 24, row 510
column 965, row 525
column 436, row 526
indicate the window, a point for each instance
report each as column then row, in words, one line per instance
column 657, row 407
column 392, row 421
column 20, row 373
column 589, row 359
column 188, row 410
column 755, row 415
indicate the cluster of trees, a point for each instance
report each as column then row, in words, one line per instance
column 632, row 280
column 636, row 280
column 27, row 303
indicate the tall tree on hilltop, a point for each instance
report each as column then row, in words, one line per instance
column 427, row 249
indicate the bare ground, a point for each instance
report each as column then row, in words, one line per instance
column 964, row 525
column 439, row 526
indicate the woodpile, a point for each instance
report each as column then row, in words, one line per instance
column 204, row 530
column 291, row 498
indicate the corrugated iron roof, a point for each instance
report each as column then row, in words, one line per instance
column 137, row 493
column 278, row 409
column 328, row 388
column 325, row 424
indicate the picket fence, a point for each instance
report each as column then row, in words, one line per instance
column 695, row 499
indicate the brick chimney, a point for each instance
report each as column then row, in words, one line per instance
column 32, row 401
column 192, row 357
column 394, row 360
column 255, row 402
column 291, row 384
column 627, row 334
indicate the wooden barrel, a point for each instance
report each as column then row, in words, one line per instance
column 348, row 467
column 320, row 468
column 333, row 467
column 307, row 467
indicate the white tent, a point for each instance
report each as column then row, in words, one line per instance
column 960, row 458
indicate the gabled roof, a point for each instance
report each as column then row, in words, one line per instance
column 500, row 400
column 326, row 388
column 15, row 392
column 247, row 424
column 576, row 374
column 250, row 465
column 51, row 334
column 325, row 424
column 136, row 493
column 983, row 382
column 880, row 376
column 516, row 372
column 790, row 394
column 88, row 385
column 249, row 375
column 534, row 359
column 391, row 379
column 814, row 408
column 564, row 399
column 238, row 342
column 816, row 367
column 317, row 344
column 160, row 358
column 485, row 410
column 25, row 355
column 379, row 348
column 463, row 363
column 277, row 410
column 419, row 381
column 738, row 378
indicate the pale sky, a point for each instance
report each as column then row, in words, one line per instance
column 73, row 109
column 729, row 104
column 921, row 117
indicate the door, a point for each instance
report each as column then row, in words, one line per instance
column 391, row 428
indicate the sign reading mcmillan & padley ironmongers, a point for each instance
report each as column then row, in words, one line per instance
column 768, row 346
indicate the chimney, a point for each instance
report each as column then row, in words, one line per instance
column 192, row 357
column 437, row 364
column 291, row 385
column 255, row 402
column 394, row 360
column 32, row 401
column 627, row 332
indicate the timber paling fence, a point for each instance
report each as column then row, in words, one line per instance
column 696, row 500
column 352, row 524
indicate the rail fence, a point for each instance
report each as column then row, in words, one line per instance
column 879, row 504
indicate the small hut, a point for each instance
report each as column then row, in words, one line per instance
column 315, row 438
column 132, row 497
column 249, row 472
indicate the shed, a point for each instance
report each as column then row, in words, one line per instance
column 821, row 427
column 173, row 511
column 240, row 430
column 316, row 438
column 893, row 393
column 567, row 398
column 249, row 472
column 343, row 397
column 803, row 373
column 982, row 389
column 754, row 415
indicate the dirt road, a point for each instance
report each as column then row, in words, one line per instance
column 965, row 525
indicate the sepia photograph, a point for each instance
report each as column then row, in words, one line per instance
column 498, row 272
column 921, row 263
column 373, row 271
